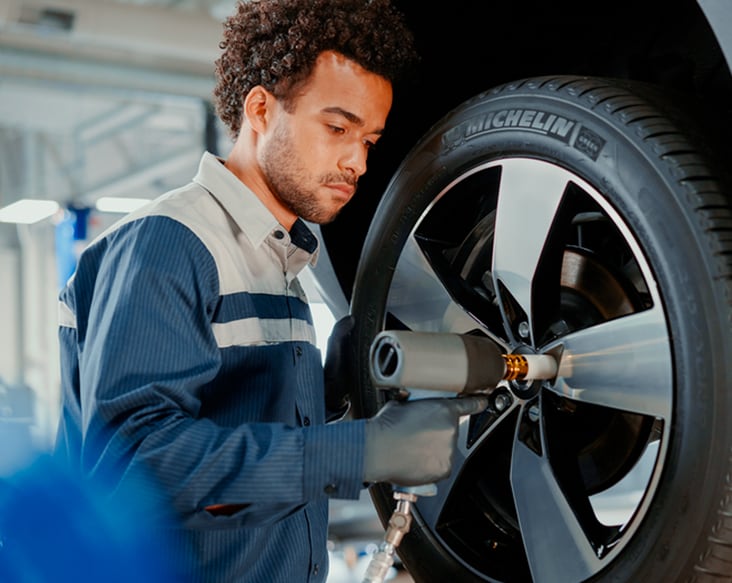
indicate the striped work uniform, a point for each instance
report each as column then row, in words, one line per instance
column 190, row 373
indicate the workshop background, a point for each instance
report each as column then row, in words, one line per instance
column 103, row 105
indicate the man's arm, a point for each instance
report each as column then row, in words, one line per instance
column 148, row 353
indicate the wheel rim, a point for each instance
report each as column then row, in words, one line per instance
column 533, row 256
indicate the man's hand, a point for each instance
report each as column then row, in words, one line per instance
column 338, row 368
column 411, row 443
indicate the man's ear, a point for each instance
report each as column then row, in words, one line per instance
column 257, row 108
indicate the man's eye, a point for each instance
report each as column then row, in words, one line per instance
column 336, row 129
column 370, row 145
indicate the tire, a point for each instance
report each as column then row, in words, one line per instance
column 579, row 217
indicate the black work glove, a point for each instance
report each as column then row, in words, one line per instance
column 338, row 368
column 411, row 443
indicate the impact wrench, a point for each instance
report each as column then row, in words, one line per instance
column 459, row 363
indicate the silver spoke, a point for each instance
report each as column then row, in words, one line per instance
column 430, row 507
column 529, row 195
column 419, row 299
column 624, row 364
column 555, row 544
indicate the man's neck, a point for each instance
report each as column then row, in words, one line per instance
column 242, row 164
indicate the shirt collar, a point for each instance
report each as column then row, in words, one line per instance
column 248, row 212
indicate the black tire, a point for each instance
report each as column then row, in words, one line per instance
column 613, row 247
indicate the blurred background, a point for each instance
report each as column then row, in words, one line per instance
column 103, row 105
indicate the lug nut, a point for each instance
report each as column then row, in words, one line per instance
column 523, row 330
column 501, row 401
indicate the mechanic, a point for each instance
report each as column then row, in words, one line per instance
column 189, row 366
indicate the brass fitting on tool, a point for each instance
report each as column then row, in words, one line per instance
column 517, row 367
column 399, row 524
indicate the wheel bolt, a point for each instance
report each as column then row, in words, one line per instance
column 534, row 413
column 501, row 401
column 523, row 329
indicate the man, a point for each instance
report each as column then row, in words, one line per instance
column 190, row 372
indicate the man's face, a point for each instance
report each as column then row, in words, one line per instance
column 315, row 154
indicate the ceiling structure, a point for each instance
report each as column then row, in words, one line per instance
column 218, row 9
column 105, row 98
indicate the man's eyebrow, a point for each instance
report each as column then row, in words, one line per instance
column 350, row 116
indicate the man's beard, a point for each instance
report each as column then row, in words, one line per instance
column 288, row 180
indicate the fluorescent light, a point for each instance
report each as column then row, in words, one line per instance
column 118, row 204
column 27, row 211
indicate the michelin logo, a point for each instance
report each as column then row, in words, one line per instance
column 542, row 122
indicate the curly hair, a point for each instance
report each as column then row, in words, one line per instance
column 275, row 43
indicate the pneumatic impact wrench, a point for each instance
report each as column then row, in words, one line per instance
column 459, row 363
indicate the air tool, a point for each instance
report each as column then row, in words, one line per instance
column 400, row 360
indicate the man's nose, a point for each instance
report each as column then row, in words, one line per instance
column 354, row 159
